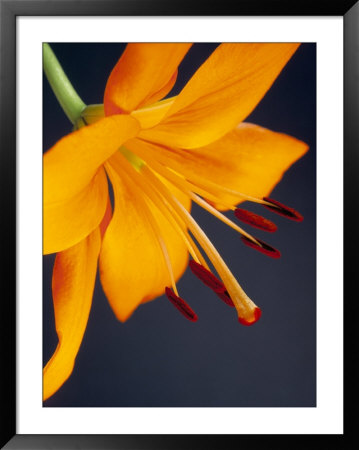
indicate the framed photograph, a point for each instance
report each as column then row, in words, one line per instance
column 175, row 249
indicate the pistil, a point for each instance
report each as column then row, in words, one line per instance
column 146, row 170
column 245, row 307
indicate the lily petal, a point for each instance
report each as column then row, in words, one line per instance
column 250, row 159
column 68, row 222
column 73, row 161
column 75, row 190
column 145, row 73
column 150, row 116
column 72, row 287
column 221, row 94
column 132, row 269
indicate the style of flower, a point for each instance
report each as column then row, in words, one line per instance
column 160, row 155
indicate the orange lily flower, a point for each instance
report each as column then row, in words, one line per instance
column 160, row 155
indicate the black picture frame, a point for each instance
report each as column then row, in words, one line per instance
column 9, row 10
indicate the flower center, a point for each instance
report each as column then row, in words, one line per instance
column 146, row 173
column 145, row 169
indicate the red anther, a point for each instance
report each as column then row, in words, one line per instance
column 266, row 249
column 257, row 314
column 283, row 210
column 211, row 281
column 181, row 305
column 255, row 220
column 226, row 298
column 206, row 276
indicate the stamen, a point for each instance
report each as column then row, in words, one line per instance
column 181, row 305
column 255, row 220
column 167, row 157
column 157, row 201
column 226, row 298
column 172, row 176
column 263, row 248
column 184, row 186
column 283, row 210
column 244, row 305
column 220, row 216
column 207, row 277
column 150, row 183
column 211, row 281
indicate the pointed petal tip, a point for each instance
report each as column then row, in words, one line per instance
column 55, row 375
column 257, row 314
column 123, row 318
column 283, row 210
column 265, row 249
column 123, row 314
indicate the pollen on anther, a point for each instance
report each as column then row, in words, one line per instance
column 181, row 305
column 255, row 220
column 263, row 248
column 211, row 281
column 206, row 276
column 257, row 314
column 283, row 210
column 226, row 298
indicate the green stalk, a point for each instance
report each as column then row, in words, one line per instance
column 68, row 98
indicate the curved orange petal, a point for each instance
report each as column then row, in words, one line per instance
column 221, row 94
column 72, row 162
column 159, row 95
column 72, row 288
column 75, row 190
column 132, row 269
column 150, row 116
column 68, row 222
column 250, row 159
column 144, row 74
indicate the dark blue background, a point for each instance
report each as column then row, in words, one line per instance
column 157, row 358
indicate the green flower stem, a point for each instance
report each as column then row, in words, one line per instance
column 68, row 98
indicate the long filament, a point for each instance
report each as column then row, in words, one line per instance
column 153, row 224
column 242, row 302
column 157, row 201
column 171, row 175
column 201, row 182
column 184, row 186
